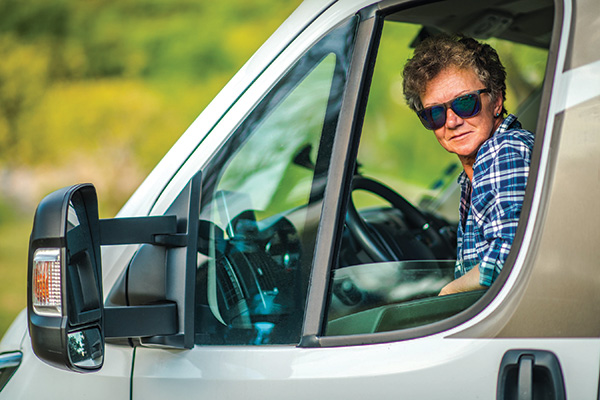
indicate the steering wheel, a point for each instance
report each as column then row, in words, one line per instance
column 376, row 245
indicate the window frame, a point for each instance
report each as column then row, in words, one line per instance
column 340, row 175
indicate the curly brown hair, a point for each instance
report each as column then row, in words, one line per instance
column 439, row 52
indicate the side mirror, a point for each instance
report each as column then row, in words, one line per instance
column 64, row 290
column 68, row 321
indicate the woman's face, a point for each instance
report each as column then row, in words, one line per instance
column 462, row 136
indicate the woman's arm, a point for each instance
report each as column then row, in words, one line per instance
column 466, row 283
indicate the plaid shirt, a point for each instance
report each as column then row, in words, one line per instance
column 490, row 206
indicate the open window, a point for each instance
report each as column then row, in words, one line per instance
column 398, row 246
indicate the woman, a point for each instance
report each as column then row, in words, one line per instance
column 457, row 87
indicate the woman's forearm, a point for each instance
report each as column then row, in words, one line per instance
column 466, row 283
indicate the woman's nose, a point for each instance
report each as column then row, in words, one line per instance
column 452, row 120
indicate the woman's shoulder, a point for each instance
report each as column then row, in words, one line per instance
column 510, row 136
column 508, row 145
column 510, row 133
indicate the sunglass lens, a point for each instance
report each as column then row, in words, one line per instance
column 425, row 118
column 438, row 116
column 433, row 117
column 466, row 106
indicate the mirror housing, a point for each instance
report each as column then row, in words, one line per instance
column 64, row 285
column 68, row 321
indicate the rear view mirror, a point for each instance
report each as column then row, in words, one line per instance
column 64, row 289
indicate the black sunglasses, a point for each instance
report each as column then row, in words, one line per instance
column 465, row 106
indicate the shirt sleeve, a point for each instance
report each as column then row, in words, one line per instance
column 499, row 184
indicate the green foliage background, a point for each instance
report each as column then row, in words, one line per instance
column 98, row 91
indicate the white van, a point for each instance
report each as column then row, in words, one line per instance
column 236, row 270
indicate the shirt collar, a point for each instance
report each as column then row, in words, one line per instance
column 462, row 178
column 509, row 123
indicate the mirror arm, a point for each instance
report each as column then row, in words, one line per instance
column 138, row 321
column 172, row 240
column 158, row 230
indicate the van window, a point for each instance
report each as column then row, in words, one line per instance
column 262, row 200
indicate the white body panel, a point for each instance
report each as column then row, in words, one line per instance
column 425, row 368
column 37, row 380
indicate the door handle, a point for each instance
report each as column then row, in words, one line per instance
column 529, row 375
column 525, row 379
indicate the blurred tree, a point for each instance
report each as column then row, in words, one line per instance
column 49, row 48
column 23, row 80
column 98, row 90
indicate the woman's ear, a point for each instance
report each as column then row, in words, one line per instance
column 498, row 105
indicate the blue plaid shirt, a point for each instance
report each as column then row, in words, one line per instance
column 490, row 206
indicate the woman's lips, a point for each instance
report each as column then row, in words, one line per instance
column 459, row 136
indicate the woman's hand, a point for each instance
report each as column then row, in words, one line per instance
column 466, row 283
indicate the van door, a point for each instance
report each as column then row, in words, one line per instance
column 516, row 337
column 262, row 199
column 290, row 304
